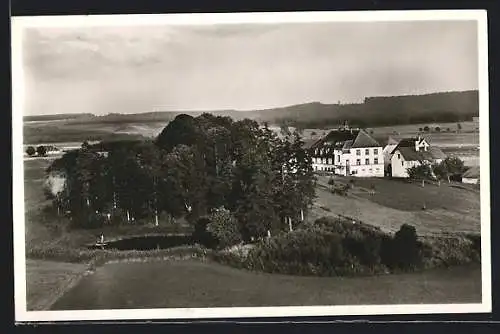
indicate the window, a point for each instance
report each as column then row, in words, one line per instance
column 329, row 161
column 375, row 151
column 375, row 161
column 367, row 161
column 402, row 163
column 338, row 158
column 358, row 162
column 347, row 162
column 367, row 151
column 399, row 156
column 358, row 152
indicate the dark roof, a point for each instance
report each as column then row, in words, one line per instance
column 363, row 139
column 410, row 154
column 346, row 139
column 336, row 138
column 472, row 173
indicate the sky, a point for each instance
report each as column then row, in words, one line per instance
column 133, row 69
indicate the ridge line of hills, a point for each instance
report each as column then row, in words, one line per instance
column 383, row 110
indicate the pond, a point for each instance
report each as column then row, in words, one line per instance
column 148, row 242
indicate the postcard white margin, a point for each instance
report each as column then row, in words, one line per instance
column 20, row 23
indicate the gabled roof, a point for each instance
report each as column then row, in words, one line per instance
column 345, row 139
column 410, row 154
column 363, row 139
column 472, row 173
column 336, row 138
column 407, row 142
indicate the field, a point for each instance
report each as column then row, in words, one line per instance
column 205, row 284
column 449, row 207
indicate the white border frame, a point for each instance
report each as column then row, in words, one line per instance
column 19, row 23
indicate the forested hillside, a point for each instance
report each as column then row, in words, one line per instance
column 374, row 111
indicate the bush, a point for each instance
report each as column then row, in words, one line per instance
column 201, row 234
column 453, row 250
column 403, row 251
column 41, row 151
column 300, row 252
column 30, row 150
column 364, row 247
column 224, row 228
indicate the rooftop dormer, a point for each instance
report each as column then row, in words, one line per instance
column 421, row 144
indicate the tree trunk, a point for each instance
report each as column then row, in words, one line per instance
column 301, row 215
column 156, row 218
column 290, row 224
column 114, row 200
column 423, row 183
column 448, row 177
column 128, row 217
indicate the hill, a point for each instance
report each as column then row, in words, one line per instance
column 374, row 111
column 379, row 111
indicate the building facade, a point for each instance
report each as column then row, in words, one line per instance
column 412, row 152
column 348, row 152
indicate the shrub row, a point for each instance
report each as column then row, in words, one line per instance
column 60, row 253
column 336, row 247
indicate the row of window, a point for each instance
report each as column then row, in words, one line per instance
column 354, row 172
column 367, row 151
column 367, row 161
column 331, row 169
column 329, row 161
column 358, row 151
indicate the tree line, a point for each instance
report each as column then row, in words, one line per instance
column 194, row 167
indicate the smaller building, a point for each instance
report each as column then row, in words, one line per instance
column 389, row 144
column 471, row 176
column 412, row 152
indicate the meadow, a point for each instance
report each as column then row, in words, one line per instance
column 192, row 283
column 448, row 208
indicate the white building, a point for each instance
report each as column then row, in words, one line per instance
column 411, row 152
column 471, row 176
column 347, row 151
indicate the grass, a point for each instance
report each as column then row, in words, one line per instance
column 48, row 280
column 192, row 283
column 448, row 209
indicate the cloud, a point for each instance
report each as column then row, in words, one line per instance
column 135, row 69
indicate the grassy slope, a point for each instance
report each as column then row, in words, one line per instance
column 448, row 209
column 202, row 284
column 46, row 281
